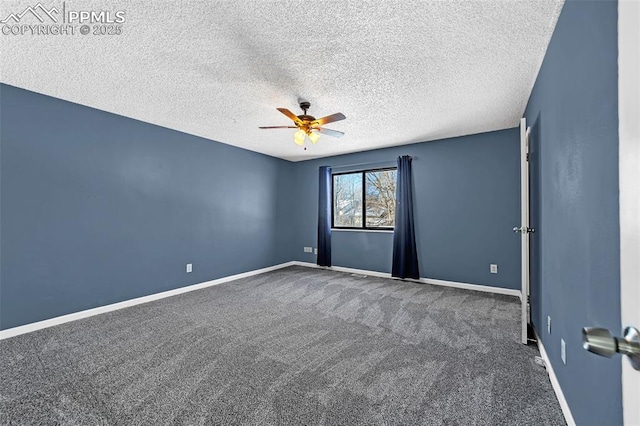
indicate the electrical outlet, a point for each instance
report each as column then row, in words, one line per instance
column 189, row 268
column 315, row 251
column 308, row 249
column 494, row 268
column 548, row 324
column 563, row 351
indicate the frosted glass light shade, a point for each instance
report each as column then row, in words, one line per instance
column 298, row 137
column 314, row 137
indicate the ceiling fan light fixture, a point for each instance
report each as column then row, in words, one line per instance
column 313, row 136
column 309, row 126
column 298, row 137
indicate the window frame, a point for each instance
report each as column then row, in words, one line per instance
column 364, row 226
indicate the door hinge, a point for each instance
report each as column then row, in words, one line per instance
column 527, row 156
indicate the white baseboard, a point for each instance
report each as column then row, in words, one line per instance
column 555, row 384
column 465, row 286
column 28, row 328
column 475, row 287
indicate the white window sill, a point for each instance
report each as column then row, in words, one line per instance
column 382, row 231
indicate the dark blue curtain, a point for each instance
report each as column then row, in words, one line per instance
column 405, row 255
column 324, row 217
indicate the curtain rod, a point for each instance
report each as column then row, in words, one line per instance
column 370, row 163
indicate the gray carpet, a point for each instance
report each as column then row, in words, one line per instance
column 293, row 346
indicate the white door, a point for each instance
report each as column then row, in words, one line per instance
column 629, row 158
column 524, row 229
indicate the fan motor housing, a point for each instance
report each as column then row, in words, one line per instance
column 305, row 117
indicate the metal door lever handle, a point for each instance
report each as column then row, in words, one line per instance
column 601, row 342
column 523, row 230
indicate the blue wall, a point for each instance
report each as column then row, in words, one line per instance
column 98, row 208
column 574, row 119
column 467, row 201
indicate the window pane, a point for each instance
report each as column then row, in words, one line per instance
column 347, row 200
column 381, row 198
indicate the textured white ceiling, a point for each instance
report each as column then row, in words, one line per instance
column 401, row 72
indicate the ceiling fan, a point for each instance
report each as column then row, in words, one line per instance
column 309, row 126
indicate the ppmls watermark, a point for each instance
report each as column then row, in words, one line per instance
column 40, row 20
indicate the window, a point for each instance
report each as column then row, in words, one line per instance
column 364, row 200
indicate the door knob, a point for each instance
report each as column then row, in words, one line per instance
column 523, row 230
column 601, row 342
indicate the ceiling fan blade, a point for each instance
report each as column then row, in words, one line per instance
column 277, row 127
column 328, row 132
column 289, row 114
column 328, row 119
